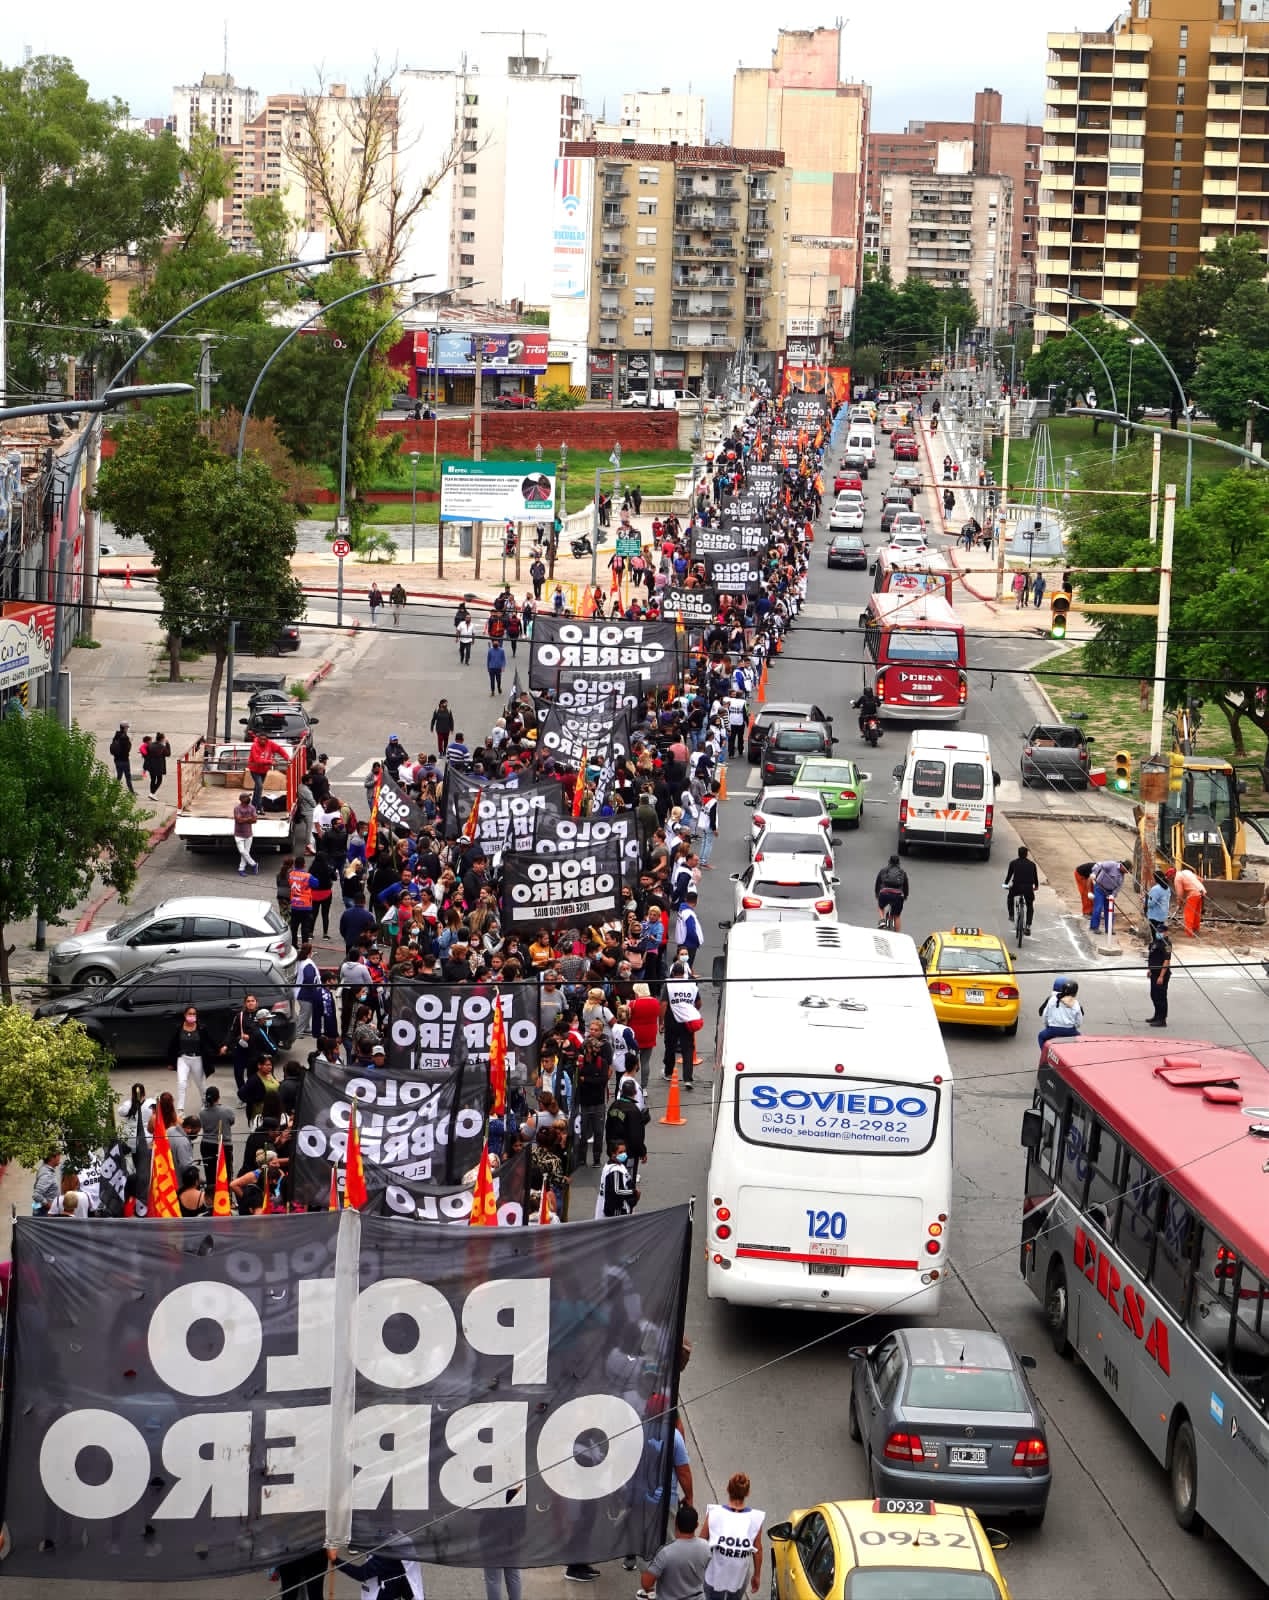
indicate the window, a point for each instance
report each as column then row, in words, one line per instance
column 886, row 1367
column 1174, row 1250
column 1179, row 125
column 968, row 779
column 1176, row 176
column 645, row 266
column 1180, row 94
column 467, row 261
column 1137, row 1215
column 645, row 235
column 820, row 1569
column 1250, row 1356
column 467, row 238
column 1180, row 66
column 1185, row 37
column 929, row 778
column 469, row 191
column 1075, row 1153
column 168, row 930
column 1172, row 263
column 644, row 297
column 465, row 283
column 469, row 122
column 1173, row 231
column 1178, row 153
column 647, row 208
column 212, row 928
column 1125, row 169
column 810, row 1531
column 469, row 167
column 649, row 176
column 642, row 326
column 469, row 145
column 1126, row 141
column 1176, row 205
column 469, row 216
column 471, row 99
column 1212, row 1309
column 1102, row 1188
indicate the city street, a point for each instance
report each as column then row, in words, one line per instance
column 766, row 1392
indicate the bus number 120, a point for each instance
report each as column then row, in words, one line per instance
column 826, row 1224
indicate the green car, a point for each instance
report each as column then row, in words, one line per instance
column 839, row 784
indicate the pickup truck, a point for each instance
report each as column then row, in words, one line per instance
column 209, row 779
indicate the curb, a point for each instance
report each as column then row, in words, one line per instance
column 315, row 677
column 163, row 832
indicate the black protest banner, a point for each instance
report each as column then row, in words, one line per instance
column 112, row 1181
column 752, row 538
column 390, row 1197
column 396, row 809
column 424, row 1020
column 762, row 481
column 578, row 690
column 565, row 734
column 743, row 508
column 282, row 1384
column 716, row 541
column 579, row 889
column 556, row 834
column 784, row 439
column 734, row 574
column 506, row 813
column 639, row 650
column 415, row 1127
column 695, row 608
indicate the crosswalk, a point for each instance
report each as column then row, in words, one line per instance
column 822, row 611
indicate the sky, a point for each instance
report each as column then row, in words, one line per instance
column 924, row 61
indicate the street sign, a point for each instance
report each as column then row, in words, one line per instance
column 342, row 548
column 629, row 544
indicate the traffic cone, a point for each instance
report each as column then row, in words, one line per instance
column 674, row 1117
column 722, row 781
column 762, row 683
column 127, row 574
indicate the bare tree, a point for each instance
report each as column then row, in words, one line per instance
column 347, row 150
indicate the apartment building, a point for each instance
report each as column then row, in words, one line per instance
column 688, row 245
column 215, row 102
column 802, row 106
column 1156, row 144
column 1010, row 148
column 485, row 231
column 653, row 117
column 954, row 228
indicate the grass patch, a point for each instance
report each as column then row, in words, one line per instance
column 1073, row 436
column 653, row 471
column 299, row 691
column 1113, row 720
column 83, row 642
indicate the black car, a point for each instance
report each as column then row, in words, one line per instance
column 135, row 1018
column 288, row 639
column 847, row 550
column 288, row 724
column 775, row 711
column 789, row 744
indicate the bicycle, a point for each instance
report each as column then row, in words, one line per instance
column 887, row 918
column 1019, row 918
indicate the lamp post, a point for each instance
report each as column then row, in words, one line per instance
column 1133, row 346
column 561, row 510
column 1114, row 399
column 414, row 499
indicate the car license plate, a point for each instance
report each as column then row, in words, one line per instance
column 975, row 997
column 967, row 1455
column 826, row 1269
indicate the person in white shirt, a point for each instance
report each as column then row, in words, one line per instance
column 734, row 1535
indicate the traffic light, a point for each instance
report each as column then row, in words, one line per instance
column 1123, row 771
column 1176, row 771
column 1061, row 604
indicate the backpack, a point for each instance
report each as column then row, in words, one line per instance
column 892, row 878
column 116, row 747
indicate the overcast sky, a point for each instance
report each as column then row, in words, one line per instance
column 924, row 60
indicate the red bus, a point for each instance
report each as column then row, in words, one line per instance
column 917, row 645
column 912, row 573
column 1143, row 1238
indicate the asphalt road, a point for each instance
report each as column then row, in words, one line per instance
column 766, row 1392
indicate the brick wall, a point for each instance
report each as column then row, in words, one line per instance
column 521, row 430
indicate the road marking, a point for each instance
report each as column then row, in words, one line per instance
column 754, row 780
column 362, row 772
column 1008, row 791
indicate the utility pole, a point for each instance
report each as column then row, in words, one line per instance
column 4, row 347
column 1002, row 520
column 205, row 376
column 1156, row 457
column 478, row 528
column 1164, row 618
column 594, row 541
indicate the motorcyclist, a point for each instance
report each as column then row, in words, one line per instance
column 868, row 706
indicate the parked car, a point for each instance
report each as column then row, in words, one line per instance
column 775, row 711
column 1055, row 753
column 847, row 550
column 289, row 724
column 212, row 926
column 288, row 639
column 789, row 744
column 948, row 1414
column 135, row 1018
column 514, row 402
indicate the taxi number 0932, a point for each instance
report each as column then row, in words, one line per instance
column 925, row 1537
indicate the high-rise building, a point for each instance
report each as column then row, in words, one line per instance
column 688, row 249
column 801, row 105
column 953, row 227
column 1011, row 149
column 486, row 228
column 659, row 117
column 217, row 102
column 1156, row 144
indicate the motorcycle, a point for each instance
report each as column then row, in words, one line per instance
column 871, row 731
column 582, row 547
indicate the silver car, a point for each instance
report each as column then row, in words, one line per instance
column 214, row 926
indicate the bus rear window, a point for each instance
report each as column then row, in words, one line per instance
column 928, row 778
column 926, row 644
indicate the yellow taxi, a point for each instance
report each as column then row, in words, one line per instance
column 886, row 1549
column 970, row 977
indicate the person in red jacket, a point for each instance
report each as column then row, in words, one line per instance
column 645, row 1017
column 260, row 762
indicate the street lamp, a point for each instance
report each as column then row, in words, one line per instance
column 414, row 499
column 1133, row 346
column 106, row 402
column 561, row 510
column 1114, row 398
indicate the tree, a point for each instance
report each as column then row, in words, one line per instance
column 1073, row 370
column 559, row 397
column 297, row 484
column 67, row 823
column 54, row 1091
column 81, row 189
column 222, row 541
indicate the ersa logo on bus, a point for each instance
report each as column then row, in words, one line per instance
column 1104, row 1275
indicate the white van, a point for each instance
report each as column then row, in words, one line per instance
column 861, row 436
column 947, row 790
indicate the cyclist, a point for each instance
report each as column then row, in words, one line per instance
column 867, row 705
column 1022, row 879
column 891, row 889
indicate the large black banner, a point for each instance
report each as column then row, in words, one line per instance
column 762, row 481
column 743, row 509
column 579, row 690
column 580, row 888
column 697, row 608
column 397, row 809
column 631, row 649
column 232, row 1391
column 424, row 1020
column 390, row 1197
column 507, row 812
column 565, row 733
column 585, row 833
column 425, row 1128
column 717, row 542
column 734, row 574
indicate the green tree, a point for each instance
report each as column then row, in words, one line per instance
column 81, row 189
column 67, row 823
column 558, row 397
column 875, row 310
column 222, row 542
column 303, row 390
column 54, row 1091
column 1068, row 366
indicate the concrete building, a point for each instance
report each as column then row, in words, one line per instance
column 1156, row 144
column 952, row 227
column 1010, row 148
column 659, row 117
column 216, row 102
column 688, row 245
column 487, row 226
column 801, row 105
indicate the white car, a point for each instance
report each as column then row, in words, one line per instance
column 907, row 525
column 847, row 515
column 785, row 888
column 907, row 474
column 776, row 841
column 790, row 808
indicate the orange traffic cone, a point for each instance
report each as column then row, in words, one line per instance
column 127, row 574
column 674, row 1117
column 722, row 781
column 762, row 683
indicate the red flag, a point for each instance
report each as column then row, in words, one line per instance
column 484, row 1203
column 372, row 831
column 546, row 1210
column 162, row 1201
column 579, row 786
column 498, row 1060
column 354, row 1172
column 333, row 1203
column 469, row 827
column 221, row 1203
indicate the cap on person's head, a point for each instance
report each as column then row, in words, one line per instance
column 378, row 1050
column 692, row 894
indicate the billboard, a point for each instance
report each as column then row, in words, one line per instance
column 26, row 643
column 497, row 491
column 570, row 223
column 514, row 351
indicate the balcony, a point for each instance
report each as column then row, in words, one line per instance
column 704, row 280
column 1139, row 70
column 757, row 224
column 615, row 191
column 760, row 195
column 1058, row 124
column 1121, row 269
column 1130, row 185
column 759, row 252
column 715, row 250
column 697, row 310
column 1220, row 158
column 1224, row 71
column 703, row 217
column 1116, row 240
column 1119, row 296
column 715, row 341
column 1126, row 99
column 1218, row 186
column 614, row 219
column 613, row 280
column 612, row 248
column 1123, row 211
column 757, row 282
column 611, row 308
column 1222, row 128
column 1217, row 216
